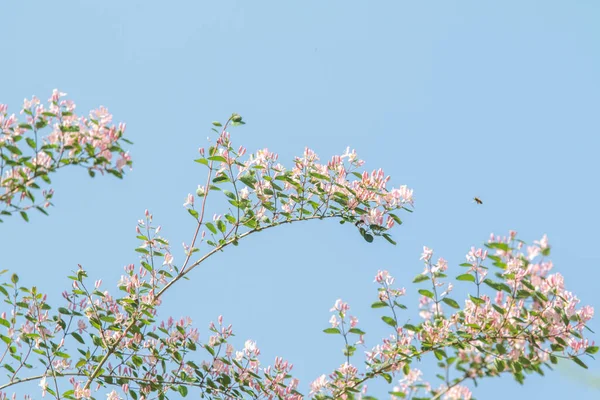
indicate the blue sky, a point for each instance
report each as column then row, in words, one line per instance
column 455, row 99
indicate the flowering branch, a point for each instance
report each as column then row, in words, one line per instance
column 120, row 345
column 26, row 159
column 532, row 322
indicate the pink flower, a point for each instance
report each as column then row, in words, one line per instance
column 334, row 321
column 81, row 326
column 250, row 348
column 586, row 313
column 427, row 253
column 189, row 201
column 113, row 396
column 384, row 276
column 44, row 385
column 340, row 306
column 244, row 193
column 442, row 265
column 543, row 242
column 318, row 384
column 80, row 392
column 458, row 393
column 123, row 160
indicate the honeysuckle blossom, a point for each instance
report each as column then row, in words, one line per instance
column 318, row 384
column 244, row 193
column 189, row 200
column 340, row 306
column 384, row 276
column 334, row 321
column 44, row 385
column 113, row 396
column 427, row 253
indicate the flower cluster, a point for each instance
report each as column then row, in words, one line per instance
column 265, row 194
column 528, row 321
column 26, row 158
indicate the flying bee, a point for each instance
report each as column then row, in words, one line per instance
column 477, row 200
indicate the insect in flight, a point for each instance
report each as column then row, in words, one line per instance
column 477, row 200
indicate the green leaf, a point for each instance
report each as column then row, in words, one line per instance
column 30, row 142
column 319, row 176
column 356, row 331
column 390, row 321
column 466, row 278
column 13, row 149
column 248, row 180
column 77, row 337
column 499, row 309
column 41, row 124
column 561, row 341
column 420, row 278
column 229, row 194
column 193, row 213
column 183, row 390
column 556, row 347
column 577, row 361
column 426, row 293
column 217, row 123
column 379, row 304
column 137, row 361
column 395, row 218
column 387, row 377
column 221, row 178
column 387, row 237
column 517, row 367
column 501, row 349
column 501, row 246
column 592, row 350
column 332, row 330
column 497, row 286
column 450, row 302
column 500, row 365
column 211, row 227
column 402, row 306
column 439, row 354
column 24, row 216
column 477, row 300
